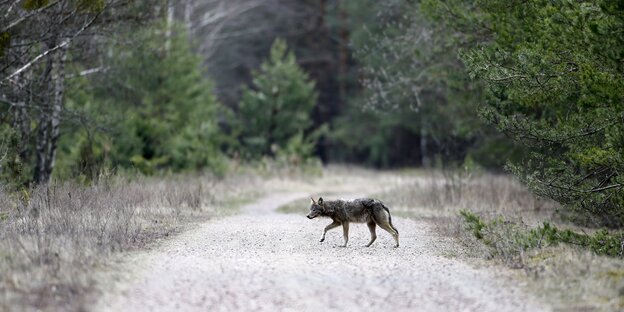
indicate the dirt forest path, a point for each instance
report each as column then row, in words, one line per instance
column 262, row 260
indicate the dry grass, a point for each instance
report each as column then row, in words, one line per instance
column 302, row 206
column 52, row 237
column 345, row 180
column 443, row 194
column 576, row 280
column 569, row 277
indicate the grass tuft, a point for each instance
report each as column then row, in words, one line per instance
column 52, row 236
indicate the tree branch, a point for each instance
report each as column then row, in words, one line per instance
column 27, row 16
column 594, row 190
column 63, row 44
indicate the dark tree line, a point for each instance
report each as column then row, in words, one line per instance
column 547, row 74
column 159, row 86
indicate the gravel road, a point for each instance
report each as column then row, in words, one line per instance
column 264, row 261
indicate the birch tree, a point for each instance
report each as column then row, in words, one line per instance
column 36, row 40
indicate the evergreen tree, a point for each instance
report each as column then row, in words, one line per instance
column 418, row 96
column 157, row 110
column 554, row 74
column 277, row 109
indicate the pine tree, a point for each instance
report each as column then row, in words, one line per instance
column 278, row 107
column 158, row 110
column 555, row 82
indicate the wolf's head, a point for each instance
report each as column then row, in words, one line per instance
column 316, row 208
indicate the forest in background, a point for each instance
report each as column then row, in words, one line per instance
column 151, row 87
column 125, row 122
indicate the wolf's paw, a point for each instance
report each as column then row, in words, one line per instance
column 396, row 246
column 322, row 239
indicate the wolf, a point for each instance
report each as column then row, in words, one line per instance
column 363, row 210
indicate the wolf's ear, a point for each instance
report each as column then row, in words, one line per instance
column 312, row 199
column 320, row 201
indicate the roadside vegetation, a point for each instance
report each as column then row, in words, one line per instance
column 546, row 74
column 495, row 217
column 53, row 237
column 120, row 121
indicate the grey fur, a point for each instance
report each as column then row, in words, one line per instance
column 363, row 210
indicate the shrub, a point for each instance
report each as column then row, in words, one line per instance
column 522, row 238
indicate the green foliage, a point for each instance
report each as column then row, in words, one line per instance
column 602, row 242
column 380, row 139
column 418, row 95
column 5, row 42
column 474, row 223
column 299, row 150
column 14, row 173
column 492, row 233
column 153, row 111
column 90, row 5
column 34, row 4
column 86, row 5
column 553, row 74
column 275, row 114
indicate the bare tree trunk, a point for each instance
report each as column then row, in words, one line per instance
column 343, row 53
column 21, row 123
column 58, row 76
column 270, row 136
column 424, row 152
column 43, row 126
column 188, row 9
column 169, row 26
column 42, row 139
column 50, row 119
column 21, row 117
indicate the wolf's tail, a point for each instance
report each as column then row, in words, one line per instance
column 389, row 218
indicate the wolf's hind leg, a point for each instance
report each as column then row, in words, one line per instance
column 329, row 227
column 345, row 232
column 371, row 228
column 390, row 229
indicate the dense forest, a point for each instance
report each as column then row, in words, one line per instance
column 154, row 87
column 491, row 130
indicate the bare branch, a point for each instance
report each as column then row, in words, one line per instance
column 62, row 45
column 594, row 190
column 10, row 8
column 27, row 16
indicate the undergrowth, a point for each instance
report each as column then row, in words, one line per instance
column 505, row 236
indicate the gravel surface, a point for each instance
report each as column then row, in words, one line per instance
column 265, row 261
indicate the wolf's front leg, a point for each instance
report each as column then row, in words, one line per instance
column 329, row 227
column 345, row 232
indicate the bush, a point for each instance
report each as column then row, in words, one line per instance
column 505, row 237
column 14, row 173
